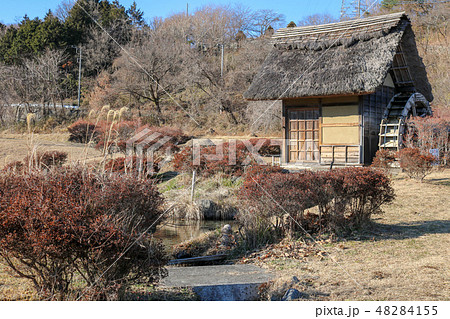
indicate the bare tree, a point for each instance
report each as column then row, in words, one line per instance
column 212, row 25
column 243, row 19
column 223, row 90
column 44, row 77
column 432, row 33
column 6, row 96
column 35, row 86
column 148, row 70
column 263, row 19
column 63, row 9
column 317, row 19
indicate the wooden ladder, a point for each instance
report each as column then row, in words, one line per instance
column 390, row 135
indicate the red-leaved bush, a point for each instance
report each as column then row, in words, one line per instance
column 268, row 147
column 68, row 224
column 38, row 160
column 415, row 163
column 117, row 136
column 185, row 161
column 226, row 158
column 83, row 132
column 134, row 165
column 16, row 167
column 158, row 139
column 130, row 138
column 46, row 159
column 383, row 160
column 345, row 198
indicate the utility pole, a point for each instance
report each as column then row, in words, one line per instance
column 78, row 49
column 221, row 63
column 353, row 9
column 79, row 80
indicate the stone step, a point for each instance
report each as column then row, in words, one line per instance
column 238, row 282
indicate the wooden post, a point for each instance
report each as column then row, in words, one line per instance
column 284, row 156
column 346, row 154
column 193, row 185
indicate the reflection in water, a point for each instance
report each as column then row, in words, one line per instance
column 173, row 232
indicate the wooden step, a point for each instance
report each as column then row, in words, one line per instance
column 389, row 135
column 395, row 113
column 389, row 145
column 390, row 124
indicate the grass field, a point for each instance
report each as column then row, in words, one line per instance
column 15, row 147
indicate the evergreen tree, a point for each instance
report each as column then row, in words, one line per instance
column 136, row 15
column 51, row 34
column 23, row 44
column 110, row 13
column 78, row 22
column 82, row 15
column 6, row 43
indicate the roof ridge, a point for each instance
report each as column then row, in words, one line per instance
column 370, row 22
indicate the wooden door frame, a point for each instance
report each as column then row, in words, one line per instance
column 286, row 133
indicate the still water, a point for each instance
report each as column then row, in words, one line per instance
column 172, row 232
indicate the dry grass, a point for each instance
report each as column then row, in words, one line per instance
column 218, row 188
column 405, row 256
column 203, row 245
column 14, row 288
column 14, row 147
column 161, row 293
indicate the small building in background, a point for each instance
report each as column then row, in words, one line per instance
column 346, row 88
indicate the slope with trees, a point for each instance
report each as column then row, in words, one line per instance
column 171, row 70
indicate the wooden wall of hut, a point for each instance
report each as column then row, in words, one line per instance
column 341, row 130
column 322, row 130
column 373, row 106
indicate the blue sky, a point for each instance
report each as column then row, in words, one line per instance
column 12, row 11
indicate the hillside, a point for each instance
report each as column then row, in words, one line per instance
column 175, row 71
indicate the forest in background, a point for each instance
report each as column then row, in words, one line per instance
column 184, row 70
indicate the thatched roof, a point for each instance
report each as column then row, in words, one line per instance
column 350, row 57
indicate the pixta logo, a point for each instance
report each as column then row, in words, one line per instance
column 229, row 150
column 147, row 152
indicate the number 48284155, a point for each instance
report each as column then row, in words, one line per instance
column 404, row 310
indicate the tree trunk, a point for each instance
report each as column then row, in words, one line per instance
column 226, row 106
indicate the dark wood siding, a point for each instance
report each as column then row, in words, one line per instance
column 373, row 108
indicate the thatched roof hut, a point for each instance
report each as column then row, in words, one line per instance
column 346, row 88
column 350, row 57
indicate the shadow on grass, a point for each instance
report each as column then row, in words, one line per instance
column 406, row 230
column 166, row 176
column 439, row 181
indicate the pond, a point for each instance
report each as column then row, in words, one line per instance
column 174, row 231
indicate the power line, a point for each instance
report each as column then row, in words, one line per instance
column 353, row 9
column 423, row 2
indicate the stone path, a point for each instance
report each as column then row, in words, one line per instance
column 222, row 282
